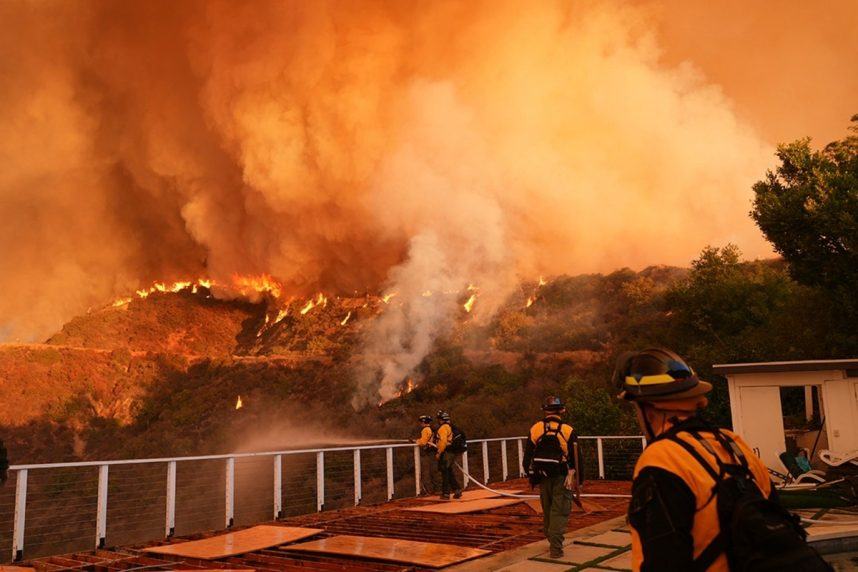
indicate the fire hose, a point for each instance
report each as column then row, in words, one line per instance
column 577, row 495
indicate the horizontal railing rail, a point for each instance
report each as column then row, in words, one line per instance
column 66, row 504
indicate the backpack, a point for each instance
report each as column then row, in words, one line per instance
column 549, row 460
column 459, row 443
column 757, row 534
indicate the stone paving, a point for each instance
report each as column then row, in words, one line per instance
column 609, row 550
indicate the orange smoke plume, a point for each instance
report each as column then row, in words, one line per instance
column 334, row 146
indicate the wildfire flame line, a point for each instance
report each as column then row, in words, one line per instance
column 346, row 319
column 174, row 287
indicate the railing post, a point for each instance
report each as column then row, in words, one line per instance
column 417, row 468
column 20, row 514
column 101, row 514
column 278, row 486
column 504, row 466
column 389, row 456
column 357, row 477
column 229, row 517
column 320, row 481
column 485, row 462
column 465, row 470
column 643, row 442
column 520, row 458
column 170, row 521
column 600, row 456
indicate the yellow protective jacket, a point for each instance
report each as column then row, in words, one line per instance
column 672, row 502
column 444, row 437
column 567, row 435
column 426, row 436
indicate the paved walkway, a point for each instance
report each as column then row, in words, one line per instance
column 603, row 546
column 589, row 551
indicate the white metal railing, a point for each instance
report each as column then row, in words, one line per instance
column 22, row 473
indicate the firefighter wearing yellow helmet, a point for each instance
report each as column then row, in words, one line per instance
column 701, row 499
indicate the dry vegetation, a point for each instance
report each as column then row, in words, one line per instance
column 161, row 375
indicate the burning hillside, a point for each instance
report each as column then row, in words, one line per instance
column 248, row 316
column 148, row 373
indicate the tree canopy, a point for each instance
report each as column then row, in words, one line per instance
column 808, row 209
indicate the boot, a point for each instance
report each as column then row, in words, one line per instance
column 458, row 494
column 445, row 496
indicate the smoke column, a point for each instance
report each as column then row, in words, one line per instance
column 352, row 146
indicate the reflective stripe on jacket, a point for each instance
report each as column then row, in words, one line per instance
column 566, row 435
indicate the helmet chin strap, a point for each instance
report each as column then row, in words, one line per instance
column 647, row 425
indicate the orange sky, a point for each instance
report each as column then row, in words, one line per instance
column 346, row 146
column 790, row 66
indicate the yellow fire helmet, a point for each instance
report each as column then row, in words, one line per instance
column 656, row 375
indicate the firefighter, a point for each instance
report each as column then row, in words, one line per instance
column 678, row 480
column 550, row 461
column 446, row 456
column 426, row 442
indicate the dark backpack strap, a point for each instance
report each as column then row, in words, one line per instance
column 712, row 551
column 697, row 457
column 730, row 445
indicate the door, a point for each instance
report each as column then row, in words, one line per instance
column 763, row 423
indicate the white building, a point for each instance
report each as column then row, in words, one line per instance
column 755, row 402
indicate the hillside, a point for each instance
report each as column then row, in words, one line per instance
column 162, row 374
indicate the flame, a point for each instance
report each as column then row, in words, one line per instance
column 530, row 302
column 321, row 299
column 470, row 303
column 472, row 288
column 121, row 302
column 178, row 286
column 409, row 385
column 426, row 293
column 238, row 403
column 386, row 298
column 542, row 281
column 346, row 319
column 281, row 314
column 309, row 306
column 262, row 284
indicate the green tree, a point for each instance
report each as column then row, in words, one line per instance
column 808, row 208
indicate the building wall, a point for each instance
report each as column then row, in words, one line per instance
column 758, row 416
column 841, row 414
